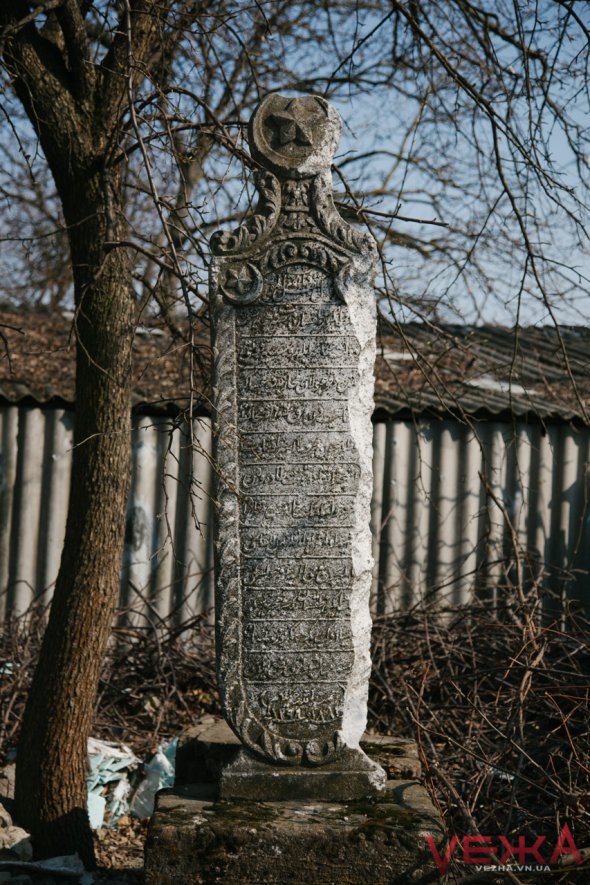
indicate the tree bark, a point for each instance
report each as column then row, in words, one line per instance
column 76, row 107
column 52, row 753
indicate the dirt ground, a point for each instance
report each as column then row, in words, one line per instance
column 119, row 852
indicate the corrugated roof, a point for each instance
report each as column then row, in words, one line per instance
column 420, row 367
column 37, row 362
column 475, row 369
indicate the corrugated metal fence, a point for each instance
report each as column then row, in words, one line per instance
column 457, row 509
column 167, row 558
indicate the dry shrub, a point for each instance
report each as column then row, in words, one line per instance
column 157, row 680
column 499, row 702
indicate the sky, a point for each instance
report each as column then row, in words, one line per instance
column 412, row 148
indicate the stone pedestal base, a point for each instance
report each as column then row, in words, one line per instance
column 197, row 837
column 208, row 748
column 352, row 776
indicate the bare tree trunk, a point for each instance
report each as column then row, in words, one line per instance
column 52, row 753
column 76, row 107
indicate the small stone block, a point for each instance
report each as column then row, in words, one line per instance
column 203, row 750
column 195, row 839
column 397, row 756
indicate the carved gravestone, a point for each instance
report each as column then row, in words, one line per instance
column 293, row 317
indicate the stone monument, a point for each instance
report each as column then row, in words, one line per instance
column 289, row 794
column 294, row 324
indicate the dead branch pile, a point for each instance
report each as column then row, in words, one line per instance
column 500, row 705
column 20, row 640
column 156, row 679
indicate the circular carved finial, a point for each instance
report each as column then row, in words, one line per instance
column 295, row 137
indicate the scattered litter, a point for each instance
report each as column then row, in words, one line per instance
column 109, row 788
column 149, row 332
column 108, row 785
column 96, row 805
column 159, row 773
column 495, row 772
column 70, row 866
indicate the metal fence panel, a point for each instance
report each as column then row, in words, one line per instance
column 456, row 509
column 167, row 559
column 462, row 508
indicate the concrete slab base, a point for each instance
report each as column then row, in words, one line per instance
column 196, row 837
column 193, row 838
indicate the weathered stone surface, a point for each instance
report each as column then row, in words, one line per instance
column 203, row 749
column 397, row 756
column 195, row 839
column 293, row 318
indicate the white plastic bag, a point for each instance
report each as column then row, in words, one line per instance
column 159, row 773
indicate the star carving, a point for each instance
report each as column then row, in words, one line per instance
column 241, row 283
column 289, row 126
column 239, row 279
